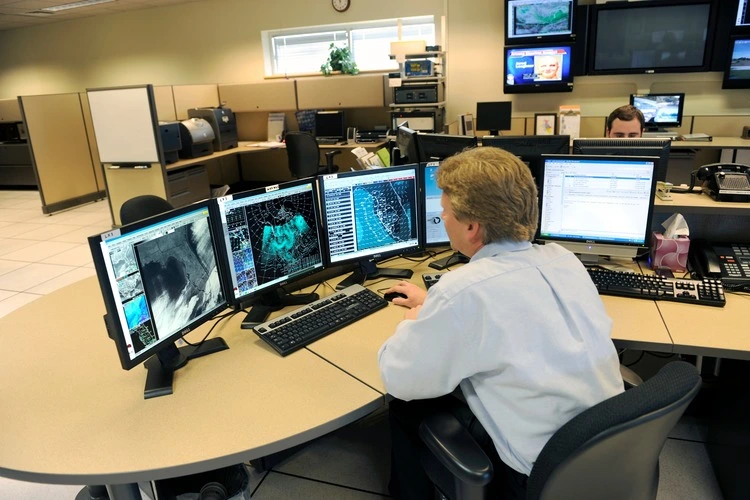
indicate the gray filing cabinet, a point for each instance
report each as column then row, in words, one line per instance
column 15, row 165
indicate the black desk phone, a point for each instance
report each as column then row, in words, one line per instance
column 728, row 261
column 725, row 181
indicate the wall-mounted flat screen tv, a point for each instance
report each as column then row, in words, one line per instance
column 538, row 69
column 662, row 36
column 528, row 21
column 737, row 71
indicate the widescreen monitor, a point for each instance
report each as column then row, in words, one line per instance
column 370, row 215
column 530, row 148
column 661, row 111
column 536, row 68
column 660, row 36
column 433, row 227
column 160, row 278
column 737, row 70
column 330, row 124
column 494, row 116
column 270, row 237
column 658, row 147
column 597, row 206
column 436, row 147
column 539, row 21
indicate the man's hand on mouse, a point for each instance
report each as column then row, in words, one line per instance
column 415, row 295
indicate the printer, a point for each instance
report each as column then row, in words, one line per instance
column 222, row 121
column 169, row 135
column 197, row 138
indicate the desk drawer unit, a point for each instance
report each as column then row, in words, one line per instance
column 188, row 185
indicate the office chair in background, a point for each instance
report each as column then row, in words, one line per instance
column 143, row 206
column 609, row 451
column 304, row 156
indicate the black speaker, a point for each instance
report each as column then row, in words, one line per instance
column 580, row 47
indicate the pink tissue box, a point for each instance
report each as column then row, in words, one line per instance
column 671, row 253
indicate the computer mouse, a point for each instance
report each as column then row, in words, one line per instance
column 392, row 295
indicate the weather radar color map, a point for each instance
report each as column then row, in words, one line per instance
column 384, row 213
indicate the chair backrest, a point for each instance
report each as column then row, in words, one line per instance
column 143, row 206
column 303, row 153
column 612, row 449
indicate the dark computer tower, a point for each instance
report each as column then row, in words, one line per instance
column 171, row 143
column 223, row 123
column 197, row 138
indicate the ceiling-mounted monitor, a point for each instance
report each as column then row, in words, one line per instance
column 737, row 70
column 532, row 69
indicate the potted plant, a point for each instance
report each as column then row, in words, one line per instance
column 339, row 59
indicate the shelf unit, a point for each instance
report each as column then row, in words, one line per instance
column 436, row 82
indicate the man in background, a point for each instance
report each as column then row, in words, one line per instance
column 626, row 121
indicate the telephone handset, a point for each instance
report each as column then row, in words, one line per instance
column 729, row 262
column 725, row 181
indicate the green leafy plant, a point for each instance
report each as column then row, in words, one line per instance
column 339, row 59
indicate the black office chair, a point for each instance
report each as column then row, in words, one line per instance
column 304, row 156
column 609, row 451
column 143, row 206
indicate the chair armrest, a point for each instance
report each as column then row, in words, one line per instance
column 452, row 445
column 329, row 160
column 629, row 377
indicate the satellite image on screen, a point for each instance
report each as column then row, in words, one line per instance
column 180, row 276
column 283, row 236
column 542, row 18
column 139, row 323
column 384, row 213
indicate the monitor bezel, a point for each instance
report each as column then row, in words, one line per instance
column 424, row 138
column 371, row 256
column 481, row 118
column 540, row 87
column 594, row 24
column 338, row 113
column 680, row 108
column 541, row 38
column 408, row 136
column 734, row 83
column 662, row 146
column 423, row 201
column 250, row 297
column 113, row 317
column 598, row 246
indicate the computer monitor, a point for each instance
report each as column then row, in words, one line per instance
column 736, row 70
column 160, row 278
column 330, row 124
column 536, row 69
column 530, row 148
column 436, row 147
column 660, row 110
column 270, row 237
column 659, row 147
column 494, row 116
column 370, row 215
column 433, row 227
column 407, row 145
column 597, row 206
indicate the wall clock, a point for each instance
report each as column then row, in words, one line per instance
column 340, row 5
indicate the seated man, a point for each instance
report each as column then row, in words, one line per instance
column 625, row 121
column 520, row 329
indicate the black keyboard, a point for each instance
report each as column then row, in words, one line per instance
column 706, row 292
column 328, row 140
column 308, row 323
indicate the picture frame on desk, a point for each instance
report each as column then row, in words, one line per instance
column 545, row 123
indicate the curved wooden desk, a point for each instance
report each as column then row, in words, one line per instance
column 69, row 414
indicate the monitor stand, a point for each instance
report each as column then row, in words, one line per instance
column 368, row 270
column 610, row 263
column 271, row 301
column 446, row 262
column 161, row 367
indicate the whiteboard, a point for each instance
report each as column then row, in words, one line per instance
column 124, row 125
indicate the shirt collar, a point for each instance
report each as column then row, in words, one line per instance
column 498, row 247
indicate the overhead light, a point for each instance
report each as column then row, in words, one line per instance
column 71, row 5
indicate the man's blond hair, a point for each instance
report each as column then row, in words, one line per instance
column 496, row 189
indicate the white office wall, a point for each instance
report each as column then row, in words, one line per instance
column 211, row 41
column 218, row 41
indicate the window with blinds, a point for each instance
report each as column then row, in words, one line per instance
column 304, row 50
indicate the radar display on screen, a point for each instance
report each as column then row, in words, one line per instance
column 271, row 236
column 384, row 216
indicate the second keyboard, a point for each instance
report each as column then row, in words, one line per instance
column 707, row 292
column 308, row 323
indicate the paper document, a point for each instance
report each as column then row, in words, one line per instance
column 267, row 144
